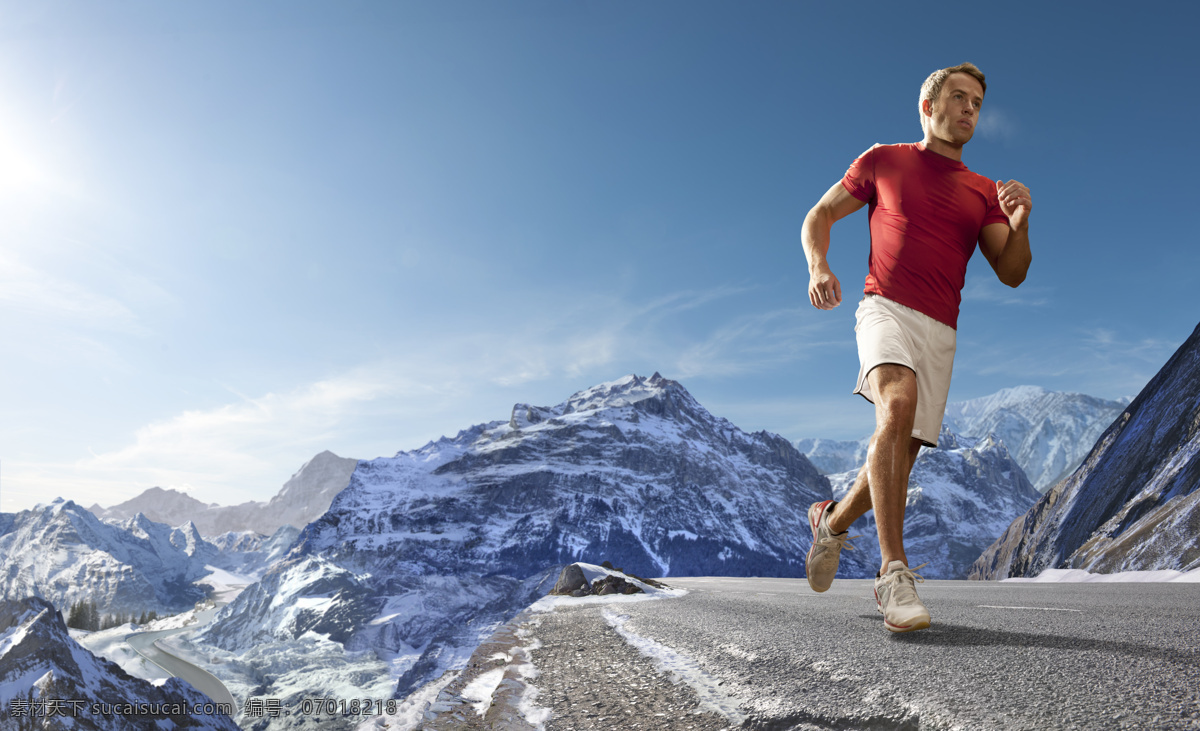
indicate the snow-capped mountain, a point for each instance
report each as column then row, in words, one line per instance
column 42, row 668
column 248, row 553
column 425, row 550
column 960, row 497
column 832, row 456
column 1133, row 505
column 1048, row 432
column 64, row 554
column 301, row 499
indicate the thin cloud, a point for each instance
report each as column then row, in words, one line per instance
column 758, row 342
column 35, row 293
column 988, row 289
column 997, row 125
column 1098, row 361
column 245, row 449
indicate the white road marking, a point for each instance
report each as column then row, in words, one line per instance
column 1044, row 609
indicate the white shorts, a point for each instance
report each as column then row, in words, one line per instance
column 888, row 332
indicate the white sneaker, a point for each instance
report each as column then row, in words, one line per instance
column 821, row 564
column 896, row 598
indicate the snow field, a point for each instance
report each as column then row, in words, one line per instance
column 110, row 645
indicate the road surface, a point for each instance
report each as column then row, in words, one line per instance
column 771, row 654
column 144, row 643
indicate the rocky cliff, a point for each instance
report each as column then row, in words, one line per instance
column 1133, row 503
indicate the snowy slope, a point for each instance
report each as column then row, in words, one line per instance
column 1048, row 432
column 1133, row 503
column 961, row 496
column 831, row 456
column 39, row 662
column 425, row 551
column 64, row 554
column 249, row 553
column 301, row 499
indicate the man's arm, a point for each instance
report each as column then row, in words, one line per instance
column 824, row 289
column 1006, row 246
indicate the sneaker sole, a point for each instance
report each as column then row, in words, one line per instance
column 920, row 624
column 813, row 526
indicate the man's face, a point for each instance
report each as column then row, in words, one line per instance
column 956, row 111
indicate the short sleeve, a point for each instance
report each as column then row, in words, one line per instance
column 994, row 213
column 859, row 180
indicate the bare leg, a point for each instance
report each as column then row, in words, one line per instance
column 856, row 502
column 882, row 483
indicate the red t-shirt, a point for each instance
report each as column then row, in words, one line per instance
column 926, row 214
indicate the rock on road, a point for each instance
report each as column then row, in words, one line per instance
column 771, row 654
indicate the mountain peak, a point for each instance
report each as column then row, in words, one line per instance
column 622, row 392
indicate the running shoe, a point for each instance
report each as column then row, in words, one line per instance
column 821, row 565
column 896, row 598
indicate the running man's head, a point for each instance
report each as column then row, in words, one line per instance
column 950, row 102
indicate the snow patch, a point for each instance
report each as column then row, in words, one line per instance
column 712, row 696
column 479, row 691
column 591, row 572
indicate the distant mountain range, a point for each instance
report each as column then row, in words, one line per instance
column 304, row 497
column 62, row 553
column 418, row 556
column 833, row 456
column 1133, row 504
column 40, row 664
column 424, row 551
column 1048, row 433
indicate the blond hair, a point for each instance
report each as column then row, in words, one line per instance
column 932, row 88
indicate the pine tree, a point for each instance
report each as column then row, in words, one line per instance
column 73, row 616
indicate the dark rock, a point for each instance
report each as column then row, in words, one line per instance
column 1131, row 505
column 570, row 580
column 614, row 585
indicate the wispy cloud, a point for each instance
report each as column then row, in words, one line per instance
column 989, row 289
column 997, row 124
column 34, row 293
column 1099, row 361
column 757, row 342
column 436, row 384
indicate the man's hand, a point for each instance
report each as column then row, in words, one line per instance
column 824, row 289
column 1015, row 202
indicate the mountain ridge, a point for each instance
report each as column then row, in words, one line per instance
column 425, row 551
column 302, row 498
column 1133, row 504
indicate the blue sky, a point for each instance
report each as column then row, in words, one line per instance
column 237, row 234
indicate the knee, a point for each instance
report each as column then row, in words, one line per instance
column 899, row 407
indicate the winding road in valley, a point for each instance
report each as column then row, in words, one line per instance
column 144, row 643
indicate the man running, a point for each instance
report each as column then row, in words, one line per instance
column 927, row 212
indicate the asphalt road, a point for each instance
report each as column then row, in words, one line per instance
column 771, row 654
column 144, row 644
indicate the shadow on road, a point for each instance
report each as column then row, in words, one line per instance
column 955, row 635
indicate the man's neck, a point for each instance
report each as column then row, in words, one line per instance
column 942, row 147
